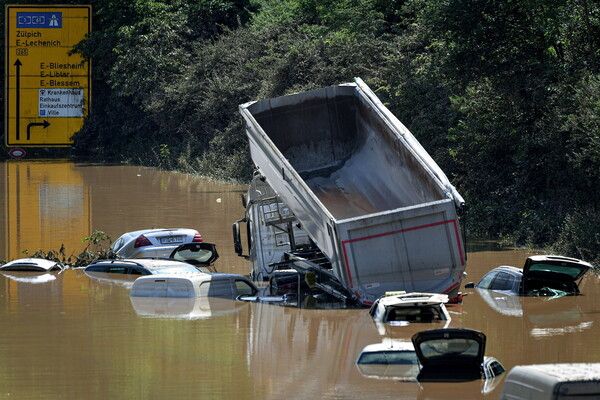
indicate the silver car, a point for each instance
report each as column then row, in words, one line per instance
column 140, row 267
column 542, row 275
column 397, row 307
column 153, row 242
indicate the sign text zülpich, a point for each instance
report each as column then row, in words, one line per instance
column 48, row 91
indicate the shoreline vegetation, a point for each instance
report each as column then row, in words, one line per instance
column 98, row 247
column 505, row 96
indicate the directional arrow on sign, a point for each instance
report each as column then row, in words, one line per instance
column 45, row 124
column 18, row 103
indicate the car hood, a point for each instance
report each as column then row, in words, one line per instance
column 555, row 267
column 198, row 254
column 449, row 347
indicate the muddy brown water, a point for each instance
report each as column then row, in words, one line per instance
column 71, row 337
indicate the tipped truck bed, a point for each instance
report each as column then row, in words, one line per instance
column 362, row 187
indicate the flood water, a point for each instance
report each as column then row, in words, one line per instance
column 70, row 337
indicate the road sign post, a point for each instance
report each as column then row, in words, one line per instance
column 47, row 91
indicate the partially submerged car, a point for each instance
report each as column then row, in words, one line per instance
column 542, row 275
column 124, row 272
column 187, row 258
column 32, row 264
column 390, row 359
column 153, row 242
column 222, row 285
column 397, row 308
column 454, row 355
column 552, row 382
column 139, row 267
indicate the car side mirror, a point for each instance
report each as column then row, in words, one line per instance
column 469, row 285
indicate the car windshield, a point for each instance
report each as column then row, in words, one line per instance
column 572, row 271
column 484, row 283
column 416, row 314
column 201, row 256
column 450, row 347
column 175, row 270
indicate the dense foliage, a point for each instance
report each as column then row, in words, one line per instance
column 505, row 95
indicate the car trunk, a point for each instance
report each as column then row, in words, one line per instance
column 552, row 277
column 449, row 355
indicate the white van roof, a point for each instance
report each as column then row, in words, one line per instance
column 168, row 285
column 189, row 285
column 552, row 381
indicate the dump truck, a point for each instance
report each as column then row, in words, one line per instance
column 342, row 185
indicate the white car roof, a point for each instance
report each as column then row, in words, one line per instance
column 414, row 299
column 397, row 345
column 178, row 285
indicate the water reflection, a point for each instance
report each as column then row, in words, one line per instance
column 545, row 317
column 125, row 280
column 34, row 278
column 502, row 303
column 114, row 199
column 309, row 354
column 47, row 204
column 184, row 308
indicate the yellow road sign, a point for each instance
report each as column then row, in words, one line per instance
column 48, row 91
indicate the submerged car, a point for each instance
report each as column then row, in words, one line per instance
column 390, row 359
column 395, row 308
column 32, row 264
column 153, row 242
column 26, row 277
column 141, row 267
column 542, row 275
column 186, row 308
column 191, row 258
column 228, row 286
column 454, row 355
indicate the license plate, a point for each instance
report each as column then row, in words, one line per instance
column 171, row 239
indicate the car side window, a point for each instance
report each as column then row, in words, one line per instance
column 496, row 368
column 138, row 271
column 243, row 287
column 216, row 288
column 503, row 281
column 117, row 269
column 96, row 268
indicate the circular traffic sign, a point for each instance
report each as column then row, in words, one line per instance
column 17, row 153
